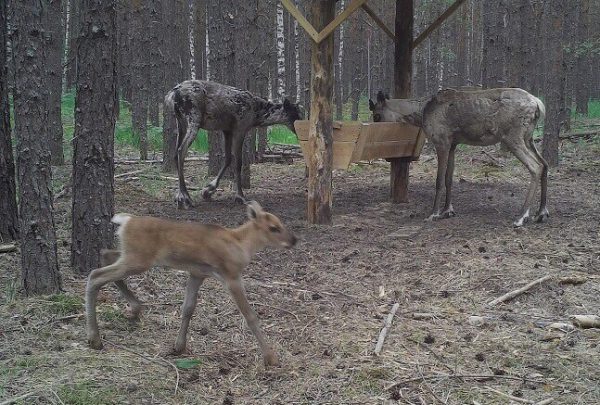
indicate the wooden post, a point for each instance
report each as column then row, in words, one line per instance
column 402, row 89
column 320, row 134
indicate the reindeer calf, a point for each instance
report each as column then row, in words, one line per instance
column 202, row 250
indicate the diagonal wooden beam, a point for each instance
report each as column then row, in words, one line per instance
column 310, row 30
column 378, row 21
column 443, row 17
column 352, row 7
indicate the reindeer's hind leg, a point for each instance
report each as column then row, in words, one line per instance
column 535, row 167
column 238, row 146
column 448, row 210
column 443, row 152
column 543, row 213
column 186, row 134
column 211, row 187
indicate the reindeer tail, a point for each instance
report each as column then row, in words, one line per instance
column 541, row 110
column 170, row 100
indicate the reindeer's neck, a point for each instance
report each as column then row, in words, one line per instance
column 250, row 238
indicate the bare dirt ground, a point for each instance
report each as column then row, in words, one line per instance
column 323, row 304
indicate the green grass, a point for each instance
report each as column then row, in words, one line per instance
column 85, row 393
column 124, row 136
column 65, row 304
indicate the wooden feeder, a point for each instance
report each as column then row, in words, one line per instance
column 355, row 141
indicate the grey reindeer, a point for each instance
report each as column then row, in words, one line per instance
column 213, row 106
column 474, row 117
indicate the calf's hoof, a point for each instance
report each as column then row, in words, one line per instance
column 271, row 360
column 95, row 343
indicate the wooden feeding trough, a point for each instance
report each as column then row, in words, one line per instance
column 355, row 141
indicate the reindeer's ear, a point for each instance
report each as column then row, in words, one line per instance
column 254, row 210
column 380, row 97
column 371, row 105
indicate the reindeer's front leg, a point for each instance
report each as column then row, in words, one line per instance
column 211, row 187
column 239, row 295
column 448, row 209
column 442, row 155
column 183, row 196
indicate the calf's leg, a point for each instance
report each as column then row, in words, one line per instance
column 187, row 310
column 108, row 257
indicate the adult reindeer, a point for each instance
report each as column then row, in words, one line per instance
column 202, row 250
column 475, row 117
column 213, row 106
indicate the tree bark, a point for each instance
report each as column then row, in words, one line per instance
column 71, row 63
column 402, row 89
column 9, row 221
column 320, row 135
column 555, row 82
column 93, row 144
column 54, row 42
column 582, row 85
column 140, row 72
column 39, row 262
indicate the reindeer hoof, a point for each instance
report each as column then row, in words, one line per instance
column 542, row 216
column 448, row 214
column 95, row 343
column 240, row 199
column 184, row 201
column 207, row 193
column 432, row 217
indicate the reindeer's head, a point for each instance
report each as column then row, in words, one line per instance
column 273, row 232
column 396, row 110
column 379, row 109
column 293, row 112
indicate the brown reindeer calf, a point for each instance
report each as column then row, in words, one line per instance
column 202, row 250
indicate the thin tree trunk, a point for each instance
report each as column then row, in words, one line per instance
column 93, row 144
column 582, row 85
column 39, row 262
column 280, row 53
column 9, row 221
column 139, row 99
column 172, row 74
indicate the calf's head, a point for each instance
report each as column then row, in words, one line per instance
column 272, row 231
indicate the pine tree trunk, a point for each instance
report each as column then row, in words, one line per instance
column 71, row 63
column 280, row 53
column 39, row 262
column 93, row 144
column 582, row 85
column 9, row 221
column 200, row 39
column 555, row 90
column 320, row 136
column 139, row 70
column 54, row 72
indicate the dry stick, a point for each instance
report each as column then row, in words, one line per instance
column 545, row 401
column 150, row 359
column 15, row 399
column 512, row 398
column 473, row 376
column 11, row 247
column 128, row 173
column 386, row 327
column 519, row 291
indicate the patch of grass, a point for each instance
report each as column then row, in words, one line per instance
column 112, row 315
column 65, row 304
column 85, row 393
column 281, row 134
column 10, row 291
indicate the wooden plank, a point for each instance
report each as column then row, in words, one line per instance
column 419, row 145
column 310, row 30
column 443, row 17
column 393, row 131
column 378, row 21
column 388, row 150
column 351, row 8
column 342, row 131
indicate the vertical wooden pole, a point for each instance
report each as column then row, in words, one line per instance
column 320, row 134
column 402, row 89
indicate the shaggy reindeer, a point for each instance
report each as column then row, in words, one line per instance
column 202, row 250
column 475, row 117
column 217, row 107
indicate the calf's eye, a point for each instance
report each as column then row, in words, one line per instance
column 274, row 229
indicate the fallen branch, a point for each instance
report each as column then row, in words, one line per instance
column 386, row 328
column 515, row 293
column 511, row 397
column 19, row 398
column 586, row 321
column 157, row 161
column 11, row 247
column 576, row 135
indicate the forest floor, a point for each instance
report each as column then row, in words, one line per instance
column 323, row 303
